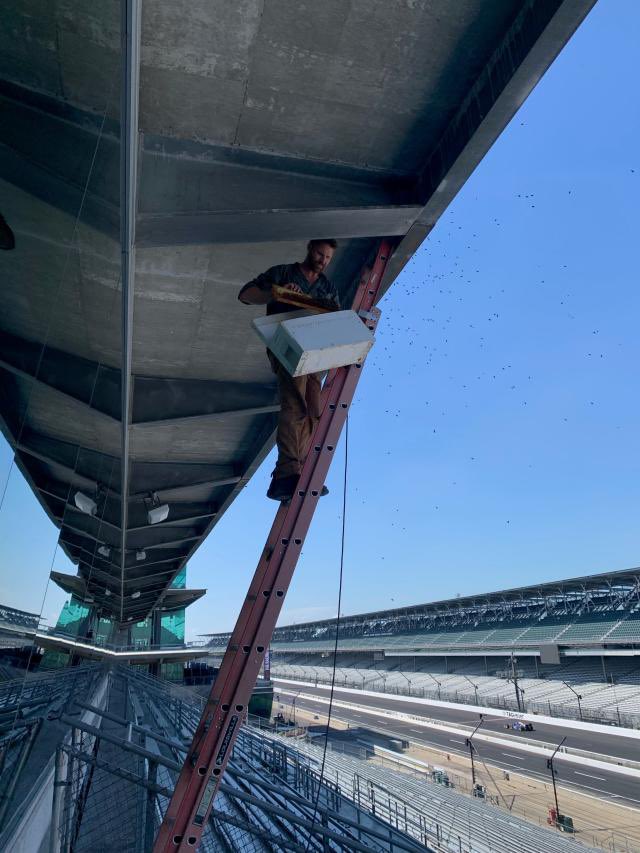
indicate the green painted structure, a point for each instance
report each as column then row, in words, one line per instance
column 77, row 620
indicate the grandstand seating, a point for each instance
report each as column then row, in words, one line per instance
column 569, row 629
column 591, row 627
column 543, row 688
column 471, row 825
column 452, row 641
column 545, row 631
column 576, row 612
column 629, row 628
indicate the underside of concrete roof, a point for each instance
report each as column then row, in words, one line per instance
column 146, row 184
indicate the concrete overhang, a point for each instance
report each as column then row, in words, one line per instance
column 259, row 126
column 172, row 599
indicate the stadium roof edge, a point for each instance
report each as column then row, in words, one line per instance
column 564, row 585
column 17, row 610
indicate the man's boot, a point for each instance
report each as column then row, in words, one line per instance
column 283, row 488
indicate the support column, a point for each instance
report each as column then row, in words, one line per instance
column 156, row 639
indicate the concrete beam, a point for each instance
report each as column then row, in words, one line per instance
column 130, row 29
column 181, row 493
column 250, row 411
column 156, row 400
column 173, row 522
column 260, row 226
column 173, row 544
column 56, row 172
column 43, row 383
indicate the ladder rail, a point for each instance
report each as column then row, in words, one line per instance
column 226, row 708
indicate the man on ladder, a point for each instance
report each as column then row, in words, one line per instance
column 187, row 814
column 299, row 395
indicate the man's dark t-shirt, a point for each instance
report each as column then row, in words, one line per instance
column 322, row 288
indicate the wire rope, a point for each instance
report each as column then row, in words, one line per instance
column 337, row 633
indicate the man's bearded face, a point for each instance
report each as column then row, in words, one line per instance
column 319, row 257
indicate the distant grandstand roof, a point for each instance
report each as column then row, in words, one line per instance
column 608, row 587
column 17, row 618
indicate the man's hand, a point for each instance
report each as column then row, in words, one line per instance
column 294, row 287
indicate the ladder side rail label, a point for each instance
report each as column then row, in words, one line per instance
column 227, row 704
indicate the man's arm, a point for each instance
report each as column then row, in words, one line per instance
column 258, row 291
column 251, row 294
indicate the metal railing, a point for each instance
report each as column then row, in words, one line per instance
column 98, row 642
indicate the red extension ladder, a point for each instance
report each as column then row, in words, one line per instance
column 187, row 814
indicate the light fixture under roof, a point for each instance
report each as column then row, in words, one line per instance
column 135, row 594
column 104, row 550
column 158, row 513
column 107, row 593
column 141, row 555
column 85, row 503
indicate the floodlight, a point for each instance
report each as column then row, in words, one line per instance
column 135, row 594
column 158, row 513
column 141, row 555
column 85, row 503
column 104, row 550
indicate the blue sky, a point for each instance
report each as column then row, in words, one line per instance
column 494, row 440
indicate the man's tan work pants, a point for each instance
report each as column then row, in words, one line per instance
column 299, row 413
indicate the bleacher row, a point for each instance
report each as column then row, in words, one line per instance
column 154, row 704
column 464, row 824
column 471, row 826
column 592, row 628
column 460, row 822
column 542, row 687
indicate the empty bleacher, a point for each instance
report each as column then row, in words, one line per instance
column 462, row 648
column 544, row 689
column 575, row 630
column 464, row 824
column 629, row 629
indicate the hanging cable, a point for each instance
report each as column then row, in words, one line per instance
column 337, row 634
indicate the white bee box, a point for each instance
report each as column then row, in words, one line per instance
column 318, row 342
column 266, row 326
